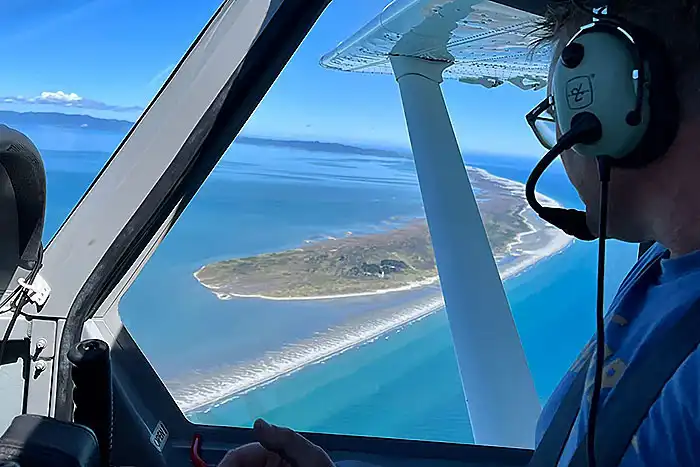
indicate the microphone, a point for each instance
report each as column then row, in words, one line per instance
column 571, row 221
column 585, row 128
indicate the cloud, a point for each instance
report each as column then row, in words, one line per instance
column 67, row 99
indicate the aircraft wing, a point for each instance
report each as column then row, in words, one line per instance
column 486, row 42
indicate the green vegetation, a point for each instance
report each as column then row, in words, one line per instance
column 344, row 266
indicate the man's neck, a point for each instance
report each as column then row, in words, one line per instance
column 679, row 242
column 674, row 202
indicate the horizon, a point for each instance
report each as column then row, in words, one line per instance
column 108, row 75
column 404, row 150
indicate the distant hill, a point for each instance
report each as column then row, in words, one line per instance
column 61, row 120
column 320, row 146
column 70, row 121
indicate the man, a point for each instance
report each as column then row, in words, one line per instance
column 657, row 203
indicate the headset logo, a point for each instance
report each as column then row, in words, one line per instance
column 579, row 92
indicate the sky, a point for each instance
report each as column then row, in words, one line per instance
column 108, row 58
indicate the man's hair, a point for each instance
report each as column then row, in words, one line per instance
column 675, row 22
column 560, row 17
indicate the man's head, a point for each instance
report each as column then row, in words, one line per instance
column 646, row 203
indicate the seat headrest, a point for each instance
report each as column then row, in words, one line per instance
column 23, row 168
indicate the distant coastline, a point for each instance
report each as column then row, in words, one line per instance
column 87, row 122
column 62, row 120
column 321, row 146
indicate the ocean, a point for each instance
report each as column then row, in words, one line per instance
column 403, row 383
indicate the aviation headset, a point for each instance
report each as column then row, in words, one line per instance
column 616, row 79
column 621, row 74
column 615, row 100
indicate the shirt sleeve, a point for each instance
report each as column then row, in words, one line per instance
column 555, row 399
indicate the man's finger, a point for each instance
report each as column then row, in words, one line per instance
column 289, row 444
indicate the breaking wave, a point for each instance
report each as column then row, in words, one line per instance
column 231, row 382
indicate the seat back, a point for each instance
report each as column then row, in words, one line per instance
column 22, row 205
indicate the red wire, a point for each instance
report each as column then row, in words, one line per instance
column 197, row 461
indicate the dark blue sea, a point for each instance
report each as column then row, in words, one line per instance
column 401, row 384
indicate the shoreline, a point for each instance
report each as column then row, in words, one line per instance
column 403, row 288
column 218, row 389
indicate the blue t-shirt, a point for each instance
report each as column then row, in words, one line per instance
column 652, row 297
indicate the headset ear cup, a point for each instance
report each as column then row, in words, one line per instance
column 662, row 98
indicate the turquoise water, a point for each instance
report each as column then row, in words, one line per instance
column 403, row 384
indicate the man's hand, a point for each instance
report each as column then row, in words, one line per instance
column 276, row 447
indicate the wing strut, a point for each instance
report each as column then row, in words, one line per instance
column 501, row 399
